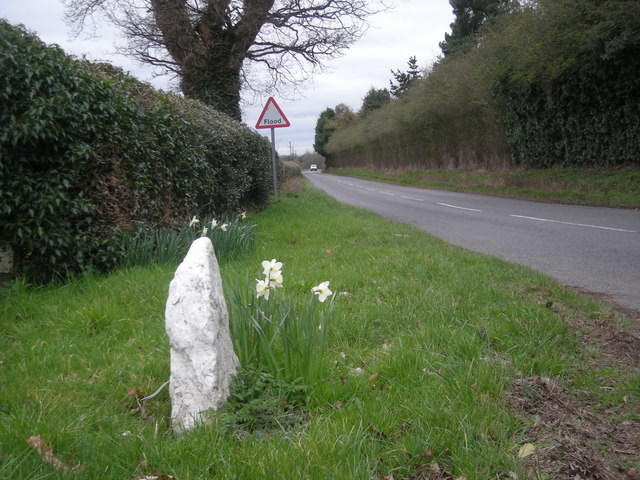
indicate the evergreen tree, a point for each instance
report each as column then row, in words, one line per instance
column 405, row 80
column 471, row 15
column 373, row 100
column 323, row 131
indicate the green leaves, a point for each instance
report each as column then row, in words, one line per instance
column 262, row 402
column 274, row 334
column 565, row 75
column 87, row 150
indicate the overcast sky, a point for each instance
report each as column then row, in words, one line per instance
column 412, row 28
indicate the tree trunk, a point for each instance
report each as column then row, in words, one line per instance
column 214, row 82
column 207, row 41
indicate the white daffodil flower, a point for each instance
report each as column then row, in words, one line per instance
column 243, row 215
column 271, row 267
column 214, row 223
column 204, row 232
column 223, row 227
column 194, row 221
column 322, row 291
column 275, row 279
column 263, row 289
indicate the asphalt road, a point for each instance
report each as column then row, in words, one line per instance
column 595, row 249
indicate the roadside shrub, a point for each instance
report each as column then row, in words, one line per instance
column 287, row 170
column 567, row 77
column 89, row 152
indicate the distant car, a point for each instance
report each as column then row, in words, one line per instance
column 313, row 167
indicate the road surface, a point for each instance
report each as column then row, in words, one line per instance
column 595, row 249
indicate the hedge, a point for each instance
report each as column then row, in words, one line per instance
column 569, row 94
column 88, row 152
column 553, row 83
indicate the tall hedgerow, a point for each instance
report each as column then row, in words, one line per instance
column 567, row 77
column 551, row 83
column 446, row 120
column 88, row 152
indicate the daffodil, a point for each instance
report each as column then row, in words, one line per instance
column 243, row 215
column 223, row 227
column 194, row 221
column 263, row 289
column 271, row 267
column 322, row 291
column 275, row 279
column 214, row 223
column 204, row 232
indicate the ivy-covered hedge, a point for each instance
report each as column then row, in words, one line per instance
column 569, row 93
column 87, row 152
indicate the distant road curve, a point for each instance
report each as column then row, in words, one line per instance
column 595, row 249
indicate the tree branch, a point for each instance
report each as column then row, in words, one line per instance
column 289, row 39
column 180, row 38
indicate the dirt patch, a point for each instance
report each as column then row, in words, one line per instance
column 617, row 344
column 632, row 315
column 573, row 436
column 571, row 441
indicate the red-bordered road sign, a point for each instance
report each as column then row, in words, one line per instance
column 272, row 116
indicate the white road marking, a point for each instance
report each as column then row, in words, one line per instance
column 574, row 224
column 600, row 227
column 461, row 208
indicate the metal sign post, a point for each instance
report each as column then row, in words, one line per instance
column 272, row 117
column 273, row 162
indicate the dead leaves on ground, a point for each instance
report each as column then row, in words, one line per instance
column 569, row 439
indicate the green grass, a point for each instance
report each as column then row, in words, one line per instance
column 424, row 340
column 606, row 188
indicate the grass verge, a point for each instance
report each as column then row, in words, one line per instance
column 428, row 345
column 606, row 188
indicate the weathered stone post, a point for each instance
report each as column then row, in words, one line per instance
column 197, row 324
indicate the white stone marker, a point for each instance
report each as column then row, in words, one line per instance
column 197, row 324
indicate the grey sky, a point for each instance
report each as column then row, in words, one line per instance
column 412, row 28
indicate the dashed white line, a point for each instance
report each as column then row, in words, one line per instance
column 460, row 208
column 600, row 227
column 574, row 224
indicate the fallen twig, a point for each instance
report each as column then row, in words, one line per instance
column 46, row 453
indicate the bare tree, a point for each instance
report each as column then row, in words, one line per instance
column 212, row 44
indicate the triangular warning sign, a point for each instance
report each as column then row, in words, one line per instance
column 272, row 116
